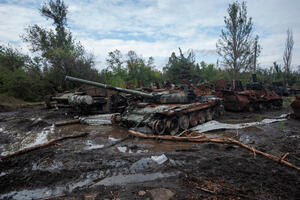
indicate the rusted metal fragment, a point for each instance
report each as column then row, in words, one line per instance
column 221, row 85
column 296, row 107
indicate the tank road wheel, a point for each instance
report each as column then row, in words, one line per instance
column 158, row 127
column 201, row 117
column 184, row 122
column 209, row 115
column 172, row 125
column 193, row 119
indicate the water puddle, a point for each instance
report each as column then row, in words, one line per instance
column 28, row 139
column 91, row 179
column 113, row 139
column 48, row 165
column 90, row 145
column 134, row 178
column 46, row 192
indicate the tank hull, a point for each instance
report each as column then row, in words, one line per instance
column 255, row 97
column 168, row 118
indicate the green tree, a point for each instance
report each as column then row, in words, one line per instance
column 130, row 68
column 209, row 73
column 236, row 46
column 14, row 81
column 181, row 67
column 62, row 55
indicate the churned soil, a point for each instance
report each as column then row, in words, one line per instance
column 109, row 164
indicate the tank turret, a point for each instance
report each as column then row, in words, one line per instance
column 165, row 97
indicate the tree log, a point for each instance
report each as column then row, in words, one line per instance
column 63, row 123
column 202, row 139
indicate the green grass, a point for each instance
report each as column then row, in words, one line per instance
column 287, row 101
column 10, row 102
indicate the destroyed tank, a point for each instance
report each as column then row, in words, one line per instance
column 296, row 107
column 254, row 97
column 88, row 100
column 164, row 112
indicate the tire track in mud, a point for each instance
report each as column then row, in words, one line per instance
column 76, row 171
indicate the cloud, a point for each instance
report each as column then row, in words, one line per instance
column 158, row 27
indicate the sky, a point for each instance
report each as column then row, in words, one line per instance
column 157, row 27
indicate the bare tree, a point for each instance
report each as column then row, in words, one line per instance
column 287, row 55
column 236, row 46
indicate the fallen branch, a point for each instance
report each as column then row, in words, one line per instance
column 50, row 142
column 164, row 137
column 68, row 122
column 204, row 189
column 272, row 157
column 202, row 139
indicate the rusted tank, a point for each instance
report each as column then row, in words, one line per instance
column 88, row 100
column 254, row 97
column 166, row 111
column 296, row 107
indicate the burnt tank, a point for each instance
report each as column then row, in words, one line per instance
column 164, row 111
column 296, row 107
column 253, row 97
column 88, row 99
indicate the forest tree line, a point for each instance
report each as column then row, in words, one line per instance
column 57, row 54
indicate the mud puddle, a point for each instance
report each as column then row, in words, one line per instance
column 134, row 178
column 23, row 140
column 138, row 172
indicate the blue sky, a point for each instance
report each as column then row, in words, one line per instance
column 157, row 27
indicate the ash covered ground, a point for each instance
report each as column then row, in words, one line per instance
column 109, row 164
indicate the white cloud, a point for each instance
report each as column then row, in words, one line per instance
column 158, row 27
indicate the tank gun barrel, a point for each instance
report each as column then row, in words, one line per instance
column 109, row 87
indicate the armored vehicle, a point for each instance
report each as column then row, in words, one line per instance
column 254, row 97
column 164, row 112
column 296, row 107
column 88, row 100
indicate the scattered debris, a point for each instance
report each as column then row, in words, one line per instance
column 159, row 159
column 215, row 125
column 103, row 119
column 142, row 193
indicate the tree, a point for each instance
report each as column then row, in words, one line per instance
column 130, row 68
column 61, row 54
column 287, row 55
column 235, row 44
column 181, row 67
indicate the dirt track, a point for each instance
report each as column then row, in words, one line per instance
column 103, row 166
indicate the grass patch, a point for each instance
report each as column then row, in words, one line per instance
column 9, row 102
column 287, row 101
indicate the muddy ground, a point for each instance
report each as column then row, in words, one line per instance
column 104, row 165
